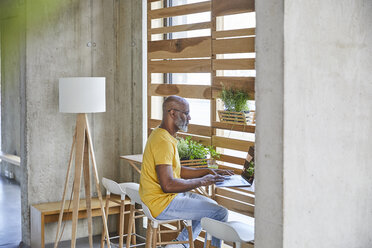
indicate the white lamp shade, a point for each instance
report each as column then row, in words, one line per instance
column 82, row 95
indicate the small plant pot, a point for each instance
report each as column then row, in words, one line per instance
column 196, row 163
column 242, row 118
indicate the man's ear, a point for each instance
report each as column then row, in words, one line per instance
column 172, row 113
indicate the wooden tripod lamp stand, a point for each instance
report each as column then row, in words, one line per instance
column 82, row 95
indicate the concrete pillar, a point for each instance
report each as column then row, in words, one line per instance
column 314, row 132
column 328, row 130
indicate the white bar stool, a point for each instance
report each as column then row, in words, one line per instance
column 232, row 231
column 113, row 187
column 153, row 234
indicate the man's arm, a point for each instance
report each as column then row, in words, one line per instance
column 169, row 184
column 188, row 172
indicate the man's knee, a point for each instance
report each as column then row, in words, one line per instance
column 222, row 214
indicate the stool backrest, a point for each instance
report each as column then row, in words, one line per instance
column 112, row 186
column 229, row 231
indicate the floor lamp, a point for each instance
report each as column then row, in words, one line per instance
column 82, row 95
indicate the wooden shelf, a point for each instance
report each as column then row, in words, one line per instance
column 234, row 127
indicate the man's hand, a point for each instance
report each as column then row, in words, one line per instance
column 211, row 179
column 221, row 172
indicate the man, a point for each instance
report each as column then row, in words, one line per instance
column 164, row 184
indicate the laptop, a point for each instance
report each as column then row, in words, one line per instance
column 243, row 180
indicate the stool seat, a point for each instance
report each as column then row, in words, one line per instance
column 232, row 231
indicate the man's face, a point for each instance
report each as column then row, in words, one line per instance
column 182, row 118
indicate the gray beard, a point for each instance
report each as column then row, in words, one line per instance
column 181, row 125
column 183, row 128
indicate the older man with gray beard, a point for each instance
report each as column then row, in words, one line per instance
column 165, row 184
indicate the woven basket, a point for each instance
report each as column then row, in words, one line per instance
column 241, row 118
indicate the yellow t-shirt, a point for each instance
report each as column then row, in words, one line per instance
column 161, row 148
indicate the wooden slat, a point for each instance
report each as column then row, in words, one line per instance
column 243, row 83
column 183, row 90
column 238, row 45
column 203, row 140
column 180, row 10
column 192, row 128
column 180, row 28
column 206, row 141
column 236, row 206
column 240, row 128
column 236, row 82
column 180, row 66
column 180, row 48
column 231, row 159
column 226, row 167
column 235, row 144
column 233, row 33
column 230, row 7
column 150, row 1
column 236, row 195
column 233, row 64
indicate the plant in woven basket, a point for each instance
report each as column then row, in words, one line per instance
column 190, row 149
column 234, row 99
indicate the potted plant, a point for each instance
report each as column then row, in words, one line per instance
column 248, row 171
column 236, row 107
column 193, row 153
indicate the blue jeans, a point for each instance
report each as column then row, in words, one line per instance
column 191, row 206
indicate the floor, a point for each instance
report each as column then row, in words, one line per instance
column 10, row 213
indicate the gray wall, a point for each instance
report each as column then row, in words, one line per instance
column 56, row 46
column 314, row 91
column 269, row 131
column 328, row 123
column 11, row 56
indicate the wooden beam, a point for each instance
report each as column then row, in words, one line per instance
column 236, row 195
column 231, row 159
column 233, row 33
column 233, row 64
column 236, row 206
column 243, row 83
column 192, row 128
column 183, row 90
column 180, row 66
column 206, row 141
column 238, row 45
column 223, row 7
column 235, row 144
column 180, row 10
column 180, row 48
column 232, row 127
column 180, row 28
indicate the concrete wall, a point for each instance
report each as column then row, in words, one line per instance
column 314, row 97
column 328, row 124
column 11, row 55
column 57, row 44
column 269, row 127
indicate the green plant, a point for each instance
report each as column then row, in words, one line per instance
column 234, row 99
column 190, row 149
column 250, row 169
